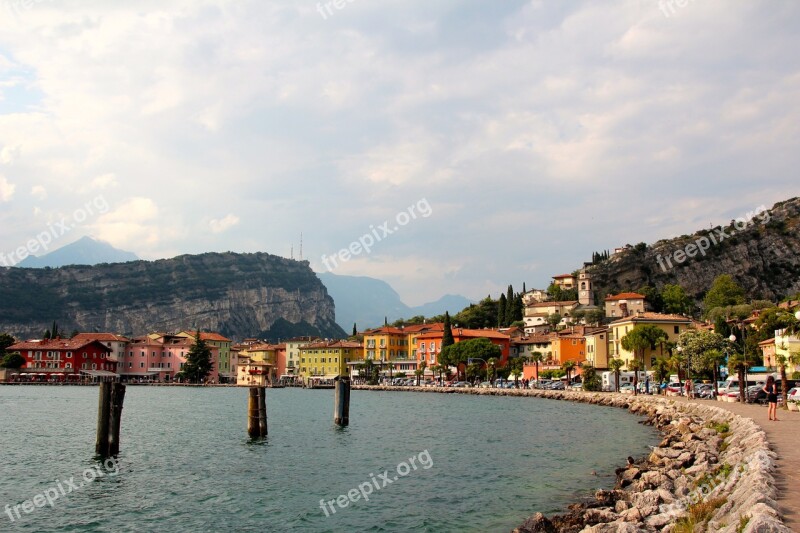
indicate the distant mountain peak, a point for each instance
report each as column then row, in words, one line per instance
column 85, row 251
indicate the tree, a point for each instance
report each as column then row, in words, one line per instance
column 738, row 362
column 6, row 340
column 723, row 292
column 46, row 335
column 639, row 339
column 616, row 365
column 635, row 366
column 696, row 343
column 653, row 297
column 417, row 373
column 501, row 311
column 537, row 357
column 578, row 316
column 591, row 381
column 676, row 301
column 594, row 316
column 661, row 370
column 516, row 369
column 447, row 335
column 492, row 362
column 568, row 367
column 518, row 309
column 554, row 320
column 461, row 352
column 12, row 360
column 355, row 330
column 422, row 366
column 198, row 361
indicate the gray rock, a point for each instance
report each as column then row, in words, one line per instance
column 538, row 523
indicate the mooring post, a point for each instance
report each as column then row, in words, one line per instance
column 103, row 419
column 262, row 411
column 115, row 417
column 253, row 425
column 341, row 401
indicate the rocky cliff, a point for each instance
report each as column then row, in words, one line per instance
column 762, row 254
column 238, row 295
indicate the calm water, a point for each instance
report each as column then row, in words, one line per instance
column 187, row 464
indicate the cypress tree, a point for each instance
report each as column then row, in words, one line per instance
column 447, row 335
column 501, row 311
column 355, row 329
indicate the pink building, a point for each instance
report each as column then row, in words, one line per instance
column 158, row 357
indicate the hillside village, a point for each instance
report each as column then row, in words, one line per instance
column 554, row 338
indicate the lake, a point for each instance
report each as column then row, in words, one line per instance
column 453, row 462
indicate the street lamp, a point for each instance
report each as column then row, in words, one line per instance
column 688, row 369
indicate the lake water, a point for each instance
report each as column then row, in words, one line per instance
column 480, row 463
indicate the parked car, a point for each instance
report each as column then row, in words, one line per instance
column 675, row 389
column 557, row 385
column 576, row 386
column 794, row 394
column 460, row 384
column 627, row 388
column 485, row 385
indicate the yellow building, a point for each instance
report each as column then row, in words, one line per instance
column 386, row 344
column 597, row 347
column 328, row 359
column 786, row 345
column 672, row 325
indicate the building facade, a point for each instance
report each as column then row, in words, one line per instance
column 672, row 325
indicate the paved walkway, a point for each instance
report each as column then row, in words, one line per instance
column 784, row 440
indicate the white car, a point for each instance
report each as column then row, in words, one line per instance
column 794, row 394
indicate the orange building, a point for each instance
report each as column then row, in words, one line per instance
column 429, row 345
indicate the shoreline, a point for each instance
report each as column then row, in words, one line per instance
column 712, row 469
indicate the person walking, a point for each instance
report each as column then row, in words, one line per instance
column 772, row 397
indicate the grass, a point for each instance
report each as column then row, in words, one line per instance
column 699, row 513
column 719, row 427
column 743, row 521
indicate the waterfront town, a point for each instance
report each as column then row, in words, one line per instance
column 556, row 339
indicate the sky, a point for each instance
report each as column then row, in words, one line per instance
column 451, row 147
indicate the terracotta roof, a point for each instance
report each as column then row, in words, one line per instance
column 767, row 342
column 331, row 344
column 626, row 296
column 55, row 345
column 464, row 332
column 103, row 337
column 554, row 304
column 562, row 276
column 385, row 330
column 652, row 317
column 436, row 326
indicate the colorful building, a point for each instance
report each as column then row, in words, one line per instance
column 385, row 344
column 597, row 347
column 117, row 343
column 624, row 304
column 159, row 357
column 326, row 360
column 430, row 344
column 672, row 325
column 293, row 354
column 64, row 359
column 226, row 371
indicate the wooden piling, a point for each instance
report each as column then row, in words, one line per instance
column 262, row 411
column 115, row 417
column 253, row 424
column 341, row 401
column 103, row 419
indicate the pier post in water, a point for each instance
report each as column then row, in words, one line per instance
column 109, row 418
column 341, row 401
column 253, row 424
column 262, row 411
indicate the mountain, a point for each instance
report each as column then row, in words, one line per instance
column 238, row 295
column 762, row 255
column 367, row 301
column 84, row 251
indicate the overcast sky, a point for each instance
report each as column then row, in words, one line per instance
column 535, row 132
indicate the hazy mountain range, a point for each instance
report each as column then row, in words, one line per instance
column 84, row 251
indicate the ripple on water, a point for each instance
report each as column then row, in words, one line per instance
column 187, row 464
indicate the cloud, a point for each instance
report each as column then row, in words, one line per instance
column 38, row 192
column 104, row 181
column 6, row 189
column 223, row 224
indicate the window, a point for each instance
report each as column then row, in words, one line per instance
column 68, row 366
column 422, row 346
column 141, row 365
column 130, row 365
column 84, row 355
column 69, row 355
column 678, row 330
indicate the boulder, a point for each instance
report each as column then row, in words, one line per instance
column 538, row 523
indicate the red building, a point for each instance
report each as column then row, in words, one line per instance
column 429, row 345
column 54, row 359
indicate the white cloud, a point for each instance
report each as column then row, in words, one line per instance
column 38, row 192
column 9, row 154
column 223, row 224
column 104, row 181
column 6, row 189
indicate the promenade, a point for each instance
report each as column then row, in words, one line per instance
column 783, row 437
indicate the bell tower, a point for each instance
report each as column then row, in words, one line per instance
column 585, row 289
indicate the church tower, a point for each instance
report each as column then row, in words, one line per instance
column 585, row 290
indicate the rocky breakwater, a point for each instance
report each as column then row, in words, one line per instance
column 712, row 471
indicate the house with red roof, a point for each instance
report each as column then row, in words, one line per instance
column 624, row 304
column 65, row 359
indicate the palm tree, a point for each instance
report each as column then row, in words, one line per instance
column 516, row 370
column 616, row 365
column 493, row 363
column 537, row 357
column 568, row 366
column 635, row 366
column 422, row 366
column 418, row 373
